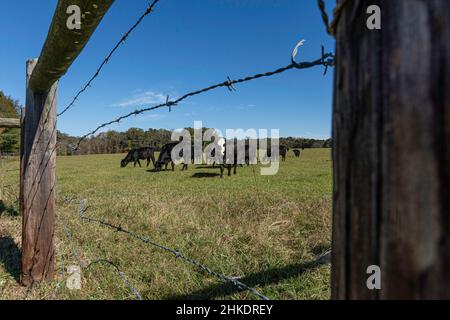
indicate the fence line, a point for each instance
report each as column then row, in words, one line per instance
column 86, row 267
column 227, row 279
column 55, row 61
column 63, row 45
column 326, row 60
column 105, row 61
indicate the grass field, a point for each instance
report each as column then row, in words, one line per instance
column 268, row 230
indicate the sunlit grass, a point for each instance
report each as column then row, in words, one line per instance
column 265, row 229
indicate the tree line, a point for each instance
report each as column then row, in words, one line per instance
column 121, row 142
column 112, row 141
column 9, row 138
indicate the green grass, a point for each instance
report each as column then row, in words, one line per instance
column 266, row 229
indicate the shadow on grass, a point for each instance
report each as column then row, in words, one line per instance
column 205, row 175
column 9, row 210
column 262, row 278
column 159, row 171
column 10, row 257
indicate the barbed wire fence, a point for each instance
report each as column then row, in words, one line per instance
column 122, row 40
column 179, row 255
column 325, row 60
column 87, row 266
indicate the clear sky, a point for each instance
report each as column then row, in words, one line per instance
column 184, row 46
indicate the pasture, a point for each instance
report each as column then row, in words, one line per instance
column 267, row 230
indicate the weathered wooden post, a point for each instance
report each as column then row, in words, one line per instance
column 38, row 150
column 38, row 161
column 391, row 131
column 9, row 123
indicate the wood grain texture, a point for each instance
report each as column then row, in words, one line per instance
column 9, row 123
column 63, row 45
column 391, row 128
column 38, row 164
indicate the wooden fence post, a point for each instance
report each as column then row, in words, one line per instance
column 38, row 159
column 391, row 151
column 38, row 150
column 9, row 123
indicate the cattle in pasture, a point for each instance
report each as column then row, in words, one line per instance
column 246, row 159
column 296, row 153
column 283, row 152
column 229, row 161
column 185, row 164
column 137, row 154
column 165, row 157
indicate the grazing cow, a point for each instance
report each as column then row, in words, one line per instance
column 229, row 161
column 246, row 159
column 297, row 153
column 165, row 156
column 283, row 151
column 185, row 164
column 139, row 154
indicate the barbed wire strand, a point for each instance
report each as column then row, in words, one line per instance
column 337, row 12
column 326, row 60
column 120, row 273
column 86, row 266
column 105, row 61
column 177, row 254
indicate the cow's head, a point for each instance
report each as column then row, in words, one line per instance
column 123, row 163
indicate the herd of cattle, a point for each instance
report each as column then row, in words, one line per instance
column 165, row 157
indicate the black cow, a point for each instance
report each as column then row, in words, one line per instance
column 139, row 154
column 229, row 161
column 185, row 165
column 283, row 151
column 297, row 153
column 165, row 156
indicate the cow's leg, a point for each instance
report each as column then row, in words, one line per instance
column 229, row 170
column 221, row 170
column 153, row 161
column 234, row 170
column 165, row 167
column 139, row 163
column 148, row 161
column 173, row 166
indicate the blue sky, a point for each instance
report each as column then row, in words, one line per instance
column 184, row 46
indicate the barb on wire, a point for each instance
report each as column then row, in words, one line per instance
column 105, row 61
column 176, row 253
column 327, row 59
